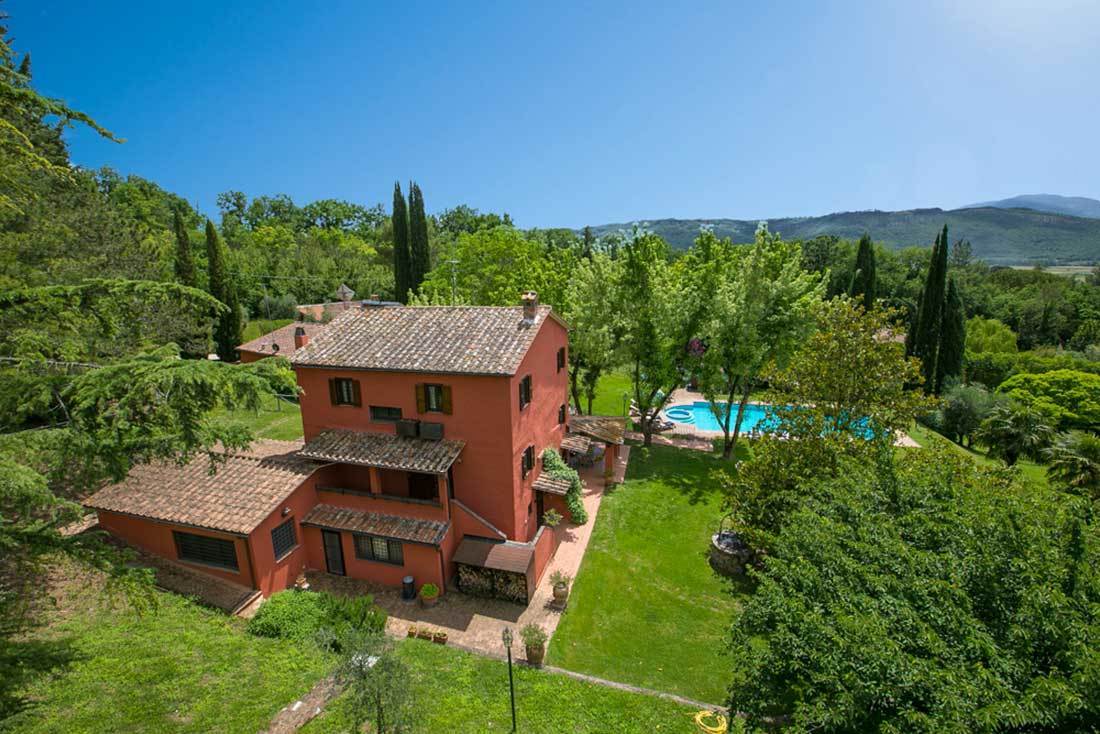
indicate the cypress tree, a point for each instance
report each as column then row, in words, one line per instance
column 949, row 362
column 400, row 245
column 419, row 254
column 926, row 339
column 185, row 264
column 863, row 283
column 227, row 329
column 589, row 243
column 25, row 65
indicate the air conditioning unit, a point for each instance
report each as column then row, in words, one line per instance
column 407, row 427
column 433, row 431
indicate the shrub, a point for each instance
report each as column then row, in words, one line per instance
column 302, row 615
column 289, row 615
column 533, row 635
column 1070, row 398
column 560, row 577
column 555, row 466
column 552, row 517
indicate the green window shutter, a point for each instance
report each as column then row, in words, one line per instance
column 356, row 396
column 447, row 408
column 421, row 403
column 332, row 391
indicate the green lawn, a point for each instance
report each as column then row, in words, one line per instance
column 609, row 394
column 179, row 668
column 1029, row 470
column 258, row 327
column 277, row 418
column 456, row 692
column 646, row 608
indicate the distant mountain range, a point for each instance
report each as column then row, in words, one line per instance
column 1074, row 206
column 1002, row 232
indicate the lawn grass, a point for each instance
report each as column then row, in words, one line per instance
column 646, row 608
column 1029, row 470
column 277, row 418
column 256, row 328
column 178, row 668
column 455, row 692
column 609, row 394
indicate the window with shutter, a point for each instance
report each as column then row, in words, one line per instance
column 420, row 401
column 344, row 391
column 433, row 399
column 527, row 461
column 561, row 359
column 561, row 415
column 524, row 392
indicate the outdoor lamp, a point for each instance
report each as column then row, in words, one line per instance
column 506, row 636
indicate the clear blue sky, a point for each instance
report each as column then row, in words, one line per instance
column 565, row 116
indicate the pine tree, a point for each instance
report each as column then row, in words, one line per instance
column 400, row 245
column 949, row 361
column 926, row 337
column 419, row 254
column 227, row 330
column 863, row 283
column 185, row 264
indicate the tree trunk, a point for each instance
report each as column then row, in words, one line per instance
column 740, row 416
column 727, row 443
column 575, row 388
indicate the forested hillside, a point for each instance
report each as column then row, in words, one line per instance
column 998, row 236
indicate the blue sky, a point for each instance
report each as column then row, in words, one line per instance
column 565, row 115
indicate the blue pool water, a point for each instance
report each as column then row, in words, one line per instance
column 699, row 414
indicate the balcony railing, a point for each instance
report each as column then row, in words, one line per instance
column 380, row 496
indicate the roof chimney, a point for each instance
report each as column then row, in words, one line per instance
column 300, row 337
column 530, row 306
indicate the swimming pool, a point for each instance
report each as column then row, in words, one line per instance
column 699, row 414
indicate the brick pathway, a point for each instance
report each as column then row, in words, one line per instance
column 475, row 623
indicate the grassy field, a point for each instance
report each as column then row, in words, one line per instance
column 179, row 668
column 646, row 608
column 456, row 692
column 1029, row 470
column 609, row 394
column 258, row 327
column 276, row 418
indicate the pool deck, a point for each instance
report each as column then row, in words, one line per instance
column 683, row 396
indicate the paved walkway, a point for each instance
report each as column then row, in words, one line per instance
column 476, row 623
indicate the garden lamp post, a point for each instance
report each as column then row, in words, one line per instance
column 506, row 636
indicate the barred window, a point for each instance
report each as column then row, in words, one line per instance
column 375, row 548
column 384, row 413
column 283, row 539
column 217, row 552
column 524, row 392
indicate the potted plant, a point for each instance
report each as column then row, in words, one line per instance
column 429, row 595
column 551, row 517
column 440, row 637
column 560, row 581
column 412, row 630
column 534, row 639
column 424, row 633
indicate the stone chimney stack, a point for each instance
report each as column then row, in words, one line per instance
column 530, row 306
column 300, row 338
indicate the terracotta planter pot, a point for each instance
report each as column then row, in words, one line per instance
column 561, row 593
column 440, row 638
column 412, row 631
column 428, row 601
column 535, row 654
column 425, row 635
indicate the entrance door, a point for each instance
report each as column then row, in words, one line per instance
column 334, row 552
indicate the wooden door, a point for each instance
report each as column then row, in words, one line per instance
column 334, row 552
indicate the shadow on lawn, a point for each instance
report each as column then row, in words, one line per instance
column 23, row 661
column 694, row 474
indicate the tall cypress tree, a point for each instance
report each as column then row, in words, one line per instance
column 419, row 254
column 863, row 283
column 949, row 361
column 227, row 330
column 926, row 339
column 25, row 65
column 185, row 264
column 400, row 245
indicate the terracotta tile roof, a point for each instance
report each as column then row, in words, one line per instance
column 242, row 491
column 383, row 450
column 503, row 556
column 576, row 443
column 551, row 485
column 479, row 340
column 607, row 428
column 412, row 529
column 283, row 337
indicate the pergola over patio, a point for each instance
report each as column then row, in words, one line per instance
column 607, row 429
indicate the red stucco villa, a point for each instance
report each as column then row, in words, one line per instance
column 423, row 432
